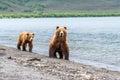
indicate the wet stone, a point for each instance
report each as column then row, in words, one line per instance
column 2, row 54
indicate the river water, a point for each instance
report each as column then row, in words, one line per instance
column 93, row 40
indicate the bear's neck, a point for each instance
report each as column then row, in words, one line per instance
column 27, row 41
column 60, row 39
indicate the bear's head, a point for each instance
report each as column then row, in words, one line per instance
column 61, row 32
column 30, row 36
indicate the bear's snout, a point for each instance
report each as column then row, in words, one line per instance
column 61, row 34
column 31, row 39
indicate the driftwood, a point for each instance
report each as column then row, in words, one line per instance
column 2, row 49
column 34, row 59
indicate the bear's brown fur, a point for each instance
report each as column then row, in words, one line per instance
column 59, row 44
column 24, row 39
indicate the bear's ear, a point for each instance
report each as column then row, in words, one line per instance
column 33, row 34
column 57, row 27
column 27, row 34
column 65, row 28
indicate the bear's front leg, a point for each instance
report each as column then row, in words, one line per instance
column 66, row 52
column 52, row 52
column 30, row 47
column 66, row 56
column 18, row 46
column 24, row 46
column 60, row 54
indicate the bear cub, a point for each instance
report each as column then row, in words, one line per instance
column 59, row 44
column 24, row 39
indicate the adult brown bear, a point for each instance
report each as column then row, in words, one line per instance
column 59, row 44
column 24, row 39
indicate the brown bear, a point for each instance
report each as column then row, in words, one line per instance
column 24, row 39
column 59, row 44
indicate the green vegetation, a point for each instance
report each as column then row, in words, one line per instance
column 58, row 8
column 58, row 15
column 3, row 7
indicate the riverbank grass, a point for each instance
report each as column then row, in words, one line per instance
column 40, row 15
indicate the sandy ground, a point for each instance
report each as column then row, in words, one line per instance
column 20, row 65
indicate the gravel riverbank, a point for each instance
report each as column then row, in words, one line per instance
column 20, row 65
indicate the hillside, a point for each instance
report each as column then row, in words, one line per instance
column 51, row 6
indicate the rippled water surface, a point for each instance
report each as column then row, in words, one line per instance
column 94, row 41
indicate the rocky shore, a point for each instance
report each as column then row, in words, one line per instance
column 20, row 65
